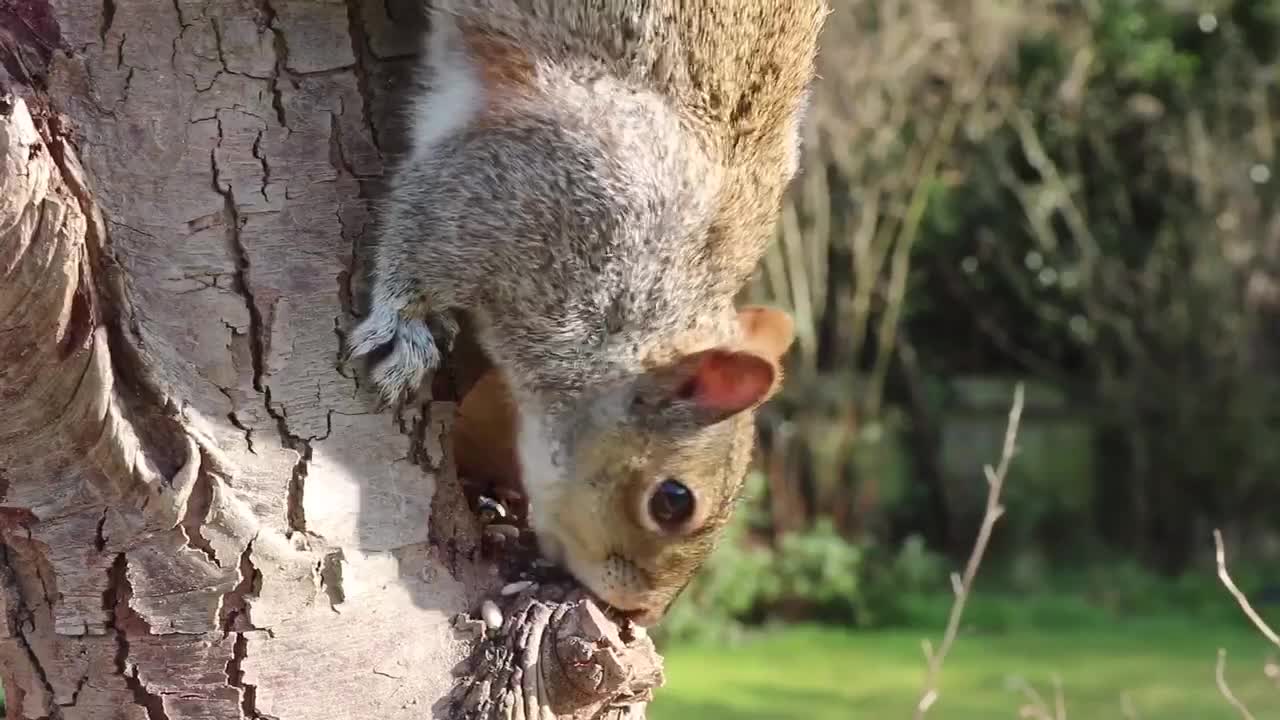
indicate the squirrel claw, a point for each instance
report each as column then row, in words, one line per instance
column 405, row 349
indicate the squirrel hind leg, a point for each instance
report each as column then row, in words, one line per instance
column 401, row 349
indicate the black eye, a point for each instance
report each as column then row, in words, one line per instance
column 671, row 505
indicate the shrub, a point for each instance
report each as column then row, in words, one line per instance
column 811, row 575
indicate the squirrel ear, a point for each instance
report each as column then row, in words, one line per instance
column 723, row 382
column 769, row 330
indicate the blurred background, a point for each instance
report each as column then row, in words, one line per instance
column 1079, row 196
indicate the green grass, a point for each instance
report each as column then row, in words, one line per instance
column 812, row 673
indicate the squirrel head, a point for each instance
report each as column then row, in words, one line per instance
column 638, row 487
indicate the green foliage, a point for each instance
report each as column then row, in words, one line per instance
column 731, row 589
column 1164, row 665
column 1099, row 223
column 1126, row 589
column 820, row 570
column 915, row 568
column 998, row 613
column 1138, row 42
column 895, row 580
column 1101, row 233
column 815, row 575
column 819, row 575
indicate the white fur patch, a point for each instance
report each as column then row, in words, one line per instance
column 537, row 448
column 455, row 93
column 795, row 132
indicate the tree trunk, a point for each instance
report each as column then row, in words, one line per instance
column 203, row 514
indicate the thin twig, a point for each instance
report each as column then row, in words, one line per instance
column 1225, row 689
column 1127, row 707
column 1225, row 577
column 995, row 482
column 1059, row 699
column 1220, row 552
column 1036, row 708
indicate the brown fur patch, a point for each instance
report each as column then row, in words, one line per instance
column 484, row 435
column 505, row 69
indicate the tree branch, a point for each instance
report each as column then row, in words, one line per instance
column 1225, row 577
column 963, row 585
column 1221, row 675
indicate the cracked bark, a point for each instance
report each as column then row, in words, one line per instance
column 201, row 514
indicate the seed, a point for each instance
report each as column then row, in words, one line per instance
column 491, row 615
column 516, row 587
column 506, row 532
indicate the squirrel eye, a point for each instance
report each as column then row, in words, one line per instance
column 671, row 504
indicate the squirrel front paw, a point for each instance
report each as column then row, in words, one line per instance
column 401, row 348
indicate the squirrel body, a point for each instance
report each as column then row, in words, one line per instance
column 592, row 182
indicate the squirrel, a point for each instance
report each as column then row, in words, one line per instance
column 592, row 182
column 485, row 449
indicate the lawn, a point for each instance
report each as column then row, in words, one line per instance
column 811, row 673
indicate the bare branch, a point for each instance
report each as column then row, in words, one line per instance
column 1220, row 552
column 1037, row 708
column 1127, row 707
column 1225, row 577
column 1225, row 689
column 1059, row 699
column 995, row 482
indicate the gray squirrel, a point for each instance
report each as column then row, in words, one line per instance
column 592, row 183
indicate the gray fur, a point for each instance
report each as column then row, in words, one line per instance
column 592, row 181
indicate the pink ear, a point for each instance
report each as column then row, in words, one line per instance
column 727, row 382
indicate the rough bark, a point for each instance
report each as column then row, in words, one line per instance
column 203, row 515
